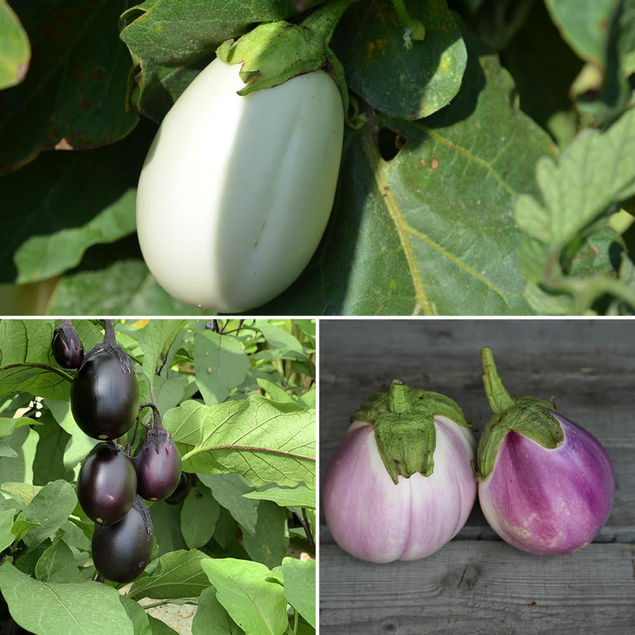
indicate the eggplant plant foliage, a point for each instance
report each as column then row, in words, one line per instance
column 238, row 400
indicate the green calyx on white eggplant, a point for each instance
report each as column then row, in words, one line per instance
column 528, row 416
column 403, row 421
column 275, row 52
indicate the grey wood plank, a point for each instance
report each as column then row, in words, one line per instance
column 588, row 365
column 489, row 587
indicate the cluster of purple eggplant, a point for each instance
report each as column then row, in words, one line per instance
column 407, row 474
column 112, row 484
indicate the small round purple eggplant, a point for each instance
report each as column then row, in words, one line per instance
column 157, row 462
column 104, row 393
column 546, row 485
column 107, row 484
column 67, row 347
column 122, row 551
column 401, row 484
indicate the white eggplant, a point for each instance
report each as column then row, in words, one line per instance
column 236, row 191
column 401, row 484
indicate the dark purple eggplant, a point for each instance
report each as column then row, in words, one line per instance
column 122, row 551
column 67, row 347
column 105, row 394
column 157, row 461
column 107, row 484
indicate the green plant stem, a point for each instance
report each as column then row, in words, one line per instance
column 156, row 415
column 306, row 525
column 584, row 291
column 52, row 369
column 398, row 401
column 322, row 21
column 295, row 620
column 417, row 30
column 109, row 333
column 499, row 399
column 145, row 607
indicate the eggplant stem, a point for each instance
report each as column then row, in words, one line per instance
column 324, row 19
column 109, row 333
column 498, row 397
column 398, row 401
column 156, row 415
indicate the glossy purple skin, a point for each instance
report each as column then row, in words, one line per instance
column 158, row 467
column 373, row 518
column 106, row 484
column 104, row 397
column 549, row 502
column 122, row 551
column 67, row 347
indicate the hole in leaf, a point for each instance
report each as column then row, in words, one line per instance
column 389, row 143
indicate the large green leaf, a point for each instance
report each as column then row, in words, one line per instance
column 299, row 496
column 7, row 426
column 178, row 575
column 573, row 257
column 270, row 540
column 401, row 77
column 266, row 442
column 50, row 507
column 602, row 32
column 220, row 363
column 596, row 169
column 173, row 40
column 73, row 96
column 198, row 517
column 48, row 464
column 584, row 24
column 6, row 522
column 211, row 617
column 57, row 564
column 432, row 230
column 20, row 468
column 25, row 360
column 228, row 490
column 255, row 602
column 299, row 586
column 68, row 202
column 166, row 520
column 124, row 287
column 79, row 443
column 63, row 608
column 15, row 50
column 154, row 339
column 26, row 341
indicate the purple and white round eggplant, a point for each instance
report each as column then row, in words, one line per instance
column 547, row 495
column 373, row 518
column 549, row 501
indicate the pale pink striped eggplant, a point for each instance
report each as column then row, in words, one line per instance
column 546, row 485
column 401, row 484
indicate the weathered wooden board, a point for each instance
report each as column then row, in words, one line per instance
column 484, row 587
column 477, row 583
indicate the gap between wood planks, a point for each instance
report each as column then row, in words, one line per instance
column 621, row 535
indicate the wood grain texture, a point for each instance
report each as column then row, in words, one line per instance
column 477, row 583
column 485, row 587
